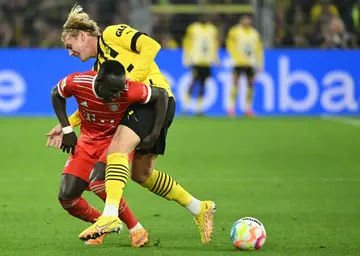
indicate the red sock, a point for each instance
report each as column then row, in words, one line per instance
column 98, row 187
column 79, row 208
column 125, row 213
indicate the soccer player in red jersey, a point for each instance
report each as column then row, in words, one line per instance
column 99, row 122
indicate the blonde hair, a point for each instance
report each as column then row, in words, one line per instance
column 78, row 21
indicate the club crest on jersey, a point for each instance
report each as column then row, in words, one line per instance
column 107, row 50
column 114, row 106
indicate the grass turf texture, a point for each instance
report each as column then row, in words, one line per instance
column 300, row 177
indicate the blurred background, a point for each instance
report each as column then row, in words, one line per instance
column 282, row 23
column 298, row 176
column 309, row 46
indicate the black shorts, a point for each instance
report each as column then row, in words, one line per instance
column 201, row 73
column 248, row 71
column 141, row 119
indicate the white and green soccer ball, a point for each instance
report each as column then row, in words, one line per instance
column 248, row 234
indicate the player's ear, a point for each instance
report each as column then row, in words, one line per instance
column 82, row 36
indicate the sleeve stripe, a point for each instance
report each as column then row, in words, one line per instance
column 134, row 40
column 59, row 90
column 148, row 95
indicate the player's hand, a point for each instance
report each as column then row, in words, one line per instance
column 148, row 142
column 69, row 142
column 54, row 137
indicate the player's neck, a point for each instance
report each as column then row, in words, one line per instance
column 94, row 44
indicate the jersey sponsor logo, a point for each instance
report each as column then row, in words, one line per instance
column 107, row 50
column 114, row 106
column 84, row 104
column 120, row 30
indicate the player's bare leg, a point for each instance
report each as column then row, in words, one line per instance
column 162, row 184
column 233, row 94
column 116, row 176
column 71, row 189
column 138, row 235
column 249, row 96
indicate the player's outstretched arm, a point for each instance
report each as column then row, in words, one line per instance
column 59, row 105
column 160, row 98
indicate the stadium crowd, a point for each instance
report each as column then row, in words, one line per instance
column 317, row 23
column 298, row 23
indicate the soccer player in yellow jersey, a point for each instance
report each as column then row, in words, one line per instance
column 200, row 52
column 135, row 52
column 244, row 44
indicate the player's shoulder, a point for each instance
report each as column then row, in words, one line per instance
column 76, row 78
column 82, row 75
column 255, row 32
column 193, row 26
column 117, row 30
column 92, row 73
column 234, row 29
column 210, row 25
column 69, row 78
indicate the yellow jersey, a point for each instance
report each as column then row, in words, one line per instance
column 200, row 45
column 245, row 47
column 135, row 51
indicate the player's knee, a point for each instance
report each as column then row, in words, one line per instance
column 66, row 195
column 67, row 199
column 70, row 190
column 98, row 172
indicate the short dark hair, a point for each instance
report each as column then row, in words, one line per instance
column 111, row 79
column 111, row 68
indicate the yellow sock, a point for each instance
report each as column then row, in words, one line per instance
column 199, row 104
column 233, row 96
column 249, row 97
column 116, row 176
column 165, row 186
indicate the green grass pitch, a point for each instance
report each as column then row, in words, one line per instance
column 299, row 176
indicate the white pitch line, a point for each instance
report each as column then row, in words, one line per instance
column 283, row 180
column 239, row 180
column 26, row 180
column 342, row 120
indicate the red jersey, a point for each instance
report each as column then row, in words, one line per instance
column 99, row 120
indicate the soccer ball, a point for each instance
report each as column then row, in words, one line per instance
column 248, row 234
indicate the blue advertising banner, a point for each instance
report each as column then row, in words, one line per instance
column 293, row 83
